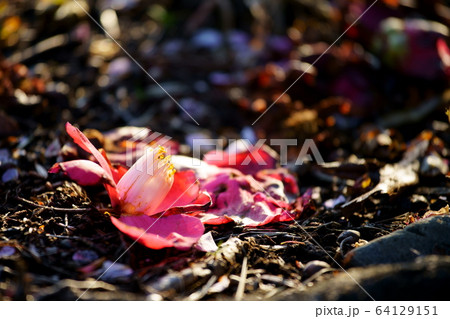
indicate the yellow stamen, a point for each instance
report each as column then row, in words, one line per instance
column 160, row 150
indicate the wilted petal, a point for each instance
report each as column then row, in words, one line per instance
column 84, row 172
column 244, row 200
column 206, row 243
column 289, row 182
column 179, row 231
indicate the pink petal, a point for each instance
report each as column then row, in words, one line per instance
column 248, row 161
column 117, row 172
column 84, row 172
column 249, row 210
column 179, row 231
column 184, row 197
column 241, row 199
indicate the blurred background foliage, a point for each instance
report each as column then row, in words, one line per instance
column 226, row 62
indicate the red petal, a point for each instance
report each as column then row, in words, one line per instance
column 179, row 231
column 248, row 162
column 281, row 174
column 84, row 172
column 202, row 203
column 184, row 196
column 184, row 191
column 118, row 171
column 444, row 54
column 213, row 219
column 82, row 141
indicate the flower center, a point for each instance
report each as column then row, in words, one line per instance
column 164, row 163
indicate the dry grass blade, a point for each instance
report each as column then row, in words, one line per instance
column 242, row 279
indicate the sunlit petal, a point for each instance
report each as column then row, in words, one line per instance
column 146, row 183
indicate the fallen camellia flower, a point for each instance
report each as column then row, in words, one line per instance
column 245, row 187
column 151, row 187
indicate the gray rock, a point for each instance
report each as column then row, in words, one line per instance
column 423, row 279
column 425, row 237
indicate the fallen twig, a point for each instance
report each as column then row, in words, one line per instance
column 56, row 209
column 241, row 287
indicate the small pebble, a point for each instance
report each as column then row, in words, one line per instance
column 207, row 39
column 84, row 257
column 7, row 251
column 112, row 272
column 333, row 202
column 313, row 267
column 354, row 234
column 5, row 157
column 346, row 239
column 10, row 175
column 41, row 170
column 433, row 165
